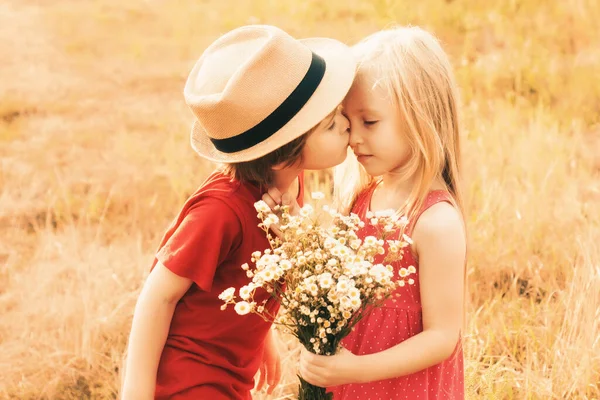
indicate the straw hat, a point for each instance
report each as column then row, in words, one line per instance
column 257, row 88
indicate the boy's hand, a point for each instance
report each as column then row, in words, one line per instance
column 270, row 369
column 275, row 198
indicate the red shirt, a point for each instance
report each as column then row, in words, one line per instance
column 210, row 353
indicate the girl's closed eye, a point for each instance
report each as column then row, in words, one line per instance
column 370, row 122
column 332, row 125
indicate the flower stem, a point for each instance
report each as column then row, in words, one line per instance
column 312, row 392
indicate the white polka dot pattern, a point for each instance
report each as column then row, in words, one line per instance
column 399, row 319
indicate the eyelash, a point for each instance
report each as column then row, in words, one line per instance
column 370, row 123
column 332, row 125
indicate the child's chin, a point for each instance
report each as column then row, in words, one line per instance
column 341, row 158
column 372, row 171
column 335, row 161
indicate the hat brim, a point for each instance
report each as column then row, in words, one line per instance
column 336, row 82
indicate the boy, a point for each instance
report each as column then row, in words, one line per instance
column 263, row 104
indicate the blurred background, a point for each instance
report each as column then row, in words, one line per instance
column 95, row 162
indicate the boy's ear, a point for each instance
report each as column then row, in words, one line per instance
column 284, row 165
column 278, row 167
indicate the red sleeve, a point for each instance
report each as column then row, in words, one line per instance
column 205, row 237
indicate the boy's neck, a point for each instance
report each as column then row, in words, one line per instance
column 284, row 178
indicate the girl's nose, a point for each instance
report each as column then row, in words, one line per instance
column 355, row 138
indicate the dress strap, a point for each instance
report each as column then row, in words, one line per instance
column 433, row 197
column 362, row 202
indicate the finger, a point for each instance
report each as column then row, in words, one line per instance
column 294, row 208
column 286, row 199
column 310, row 358
column 275, row 376
column 304, row 354
column 275, row 194
column 276, row 230
column 309, row 376
column 278, row 372
column 269, row 200
column 322, row 362
column 273, row 371
column 261, row 379
column 307, row 361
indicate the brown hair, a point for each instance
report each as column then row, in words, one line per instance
column 260, row 171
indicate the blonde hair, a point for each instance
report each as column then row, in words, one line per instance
column 412, row 67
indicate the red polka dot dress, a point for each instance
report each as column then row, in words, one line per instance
column 399, row 319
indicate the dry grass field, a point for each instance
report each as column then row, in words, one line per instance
column 95, row 162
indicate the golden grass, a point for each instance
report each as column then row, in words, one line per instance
column 95, row 161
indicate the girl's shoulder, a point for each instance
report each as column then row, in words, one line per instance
column 434, row 200
column 440, row 221
column 439, row 209
column 442, row 215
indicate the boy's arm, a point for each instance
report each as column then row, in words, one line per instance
column 202, row 240
column 151, row 321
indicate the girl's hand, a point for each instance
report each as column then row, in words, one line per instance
column 328, row 371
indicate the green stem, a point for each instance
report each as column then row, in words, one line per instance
column 306, row 391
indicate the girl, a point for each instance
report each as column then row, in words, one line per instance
column 404, row 133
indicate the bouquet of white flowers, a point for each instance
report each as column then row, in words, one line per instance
column 325, row 278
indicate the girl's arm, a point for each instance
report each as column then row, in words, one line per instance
column 441, row 247
column 151, row 322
